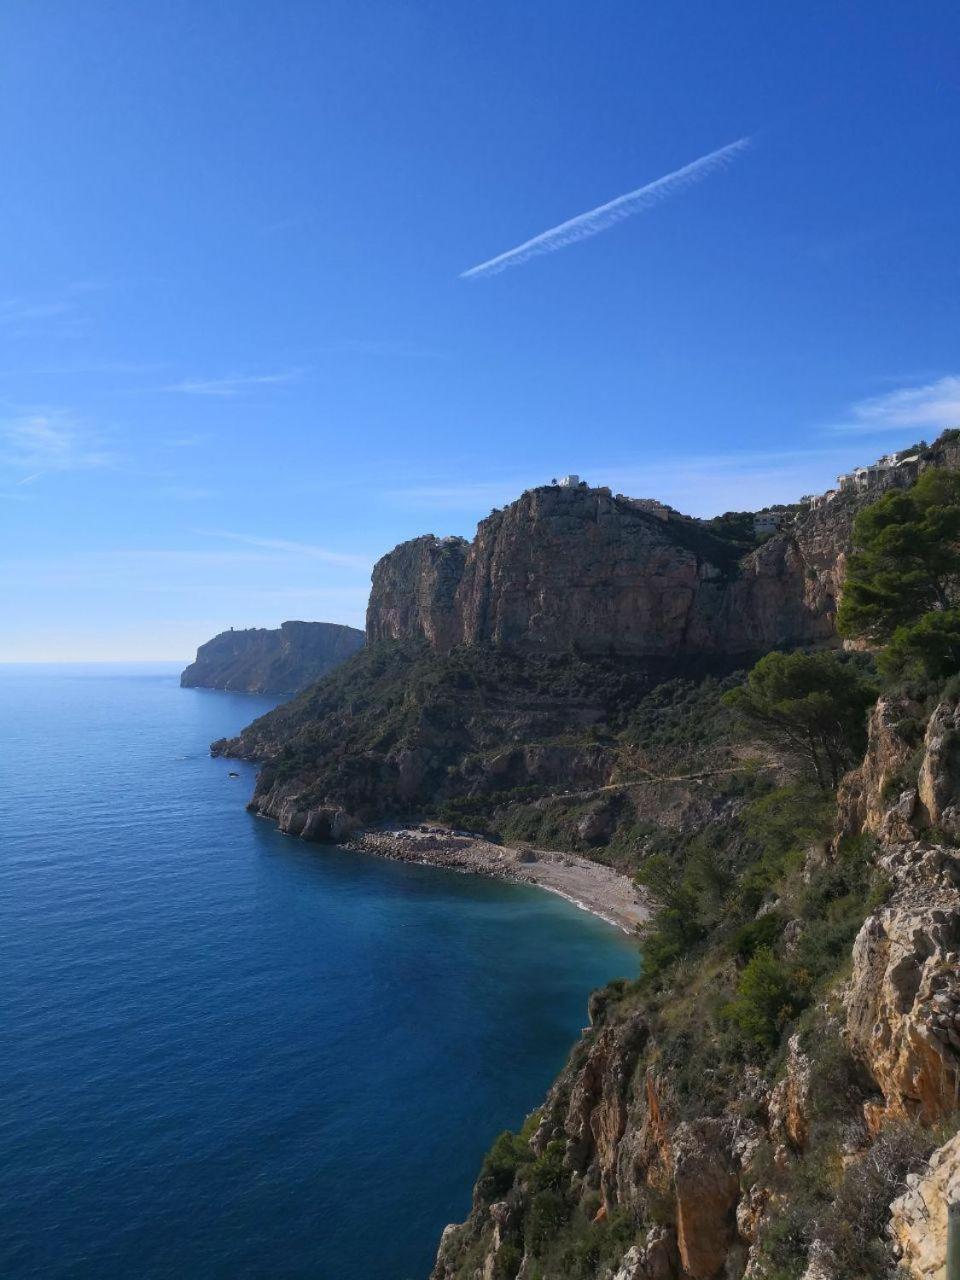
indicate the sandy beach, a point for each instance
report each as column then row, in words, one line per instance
column 593, row 887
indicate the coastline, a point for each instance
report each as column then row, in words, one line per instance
column 591, row 886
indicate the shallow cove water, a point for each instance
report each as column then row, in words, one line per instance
column 226, row 1053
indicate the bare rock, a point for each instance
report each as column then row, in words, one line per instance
column 864, row 803
column 655, row 1259
column 788, row 1105
column 939, row 782
column 918, row 1218
column 707, row 1187
column 559, row 567
column 905, row 978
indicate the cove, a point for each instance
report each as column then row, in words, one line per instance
column 227, row 1053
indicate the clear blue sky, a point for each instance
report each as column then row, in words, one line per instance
column 238, row 359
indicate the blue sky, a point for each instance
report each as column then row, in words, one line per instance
column 238, row 359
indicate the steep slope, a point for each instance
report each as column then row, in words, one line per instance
column 263, row 661
column 789, row 1063
column 676, row 1146
column 475, row 735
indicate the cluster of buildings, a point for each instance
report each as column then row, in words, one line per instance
column 891, row 471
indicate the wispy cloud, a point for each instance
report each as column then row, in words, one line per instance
column 233, row 384
column 305, row 549
column 614, row 211
column 39, row 443
column 933, row 405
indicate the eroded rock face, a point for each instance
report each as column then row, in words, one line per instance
column 939, row 780
column 413, row 592
column 918, row 1218
column 871, row 798
column 596, row 1115
column 707, row 1187
column 565, row 567
column 655, row 1259
column 789, row 1102
column 903, row 999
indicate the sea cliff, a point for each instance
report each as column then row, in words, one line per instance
column 771, row 1096
column 258, row 660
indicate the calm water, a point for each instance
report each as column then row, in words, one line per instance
column 226, row 1053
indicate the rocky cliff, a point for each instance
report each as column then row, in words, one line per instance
column 264, row 661
column 564, row 567
column 823, row 1162
column 789, row 1062
column 560, row 568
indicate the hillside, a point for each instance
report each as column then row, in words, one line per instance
column 773, row 1095
column 258, row 660
column 778, row 1097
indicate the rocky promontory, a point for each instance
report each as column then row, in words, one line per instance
column 259, row 660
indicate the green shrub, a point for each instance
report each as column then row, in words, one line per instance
column 753, row 935
column 500, row 1166
column 768, row 996
column 929, row 648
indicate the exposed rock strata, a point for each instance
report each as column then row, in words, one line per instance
column 561, row 567
column 903, row 1000
column 565, row 567
column 264, row 661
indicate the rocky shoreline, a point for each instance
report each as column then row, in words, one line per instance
column 591, row 886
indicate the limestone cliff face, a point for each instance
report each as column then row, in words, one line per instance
column 414, row 589
column 903, row 999
column 259, row 660
column 560, row 568
column 919, row 1218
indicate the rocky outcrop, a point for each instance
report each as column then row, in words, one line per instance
column 259, row 660
column 560, row 568
column 938, row 784
column 878, row 798
column 581, row 566
column 918, row 1218
column 789, row 1104
column 413, row 592
column 903, row 999
column 655, row 1259
column 706, row 1183
column 909, row 781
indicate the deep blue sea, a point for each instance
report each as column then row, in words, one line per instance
column 226, row 1053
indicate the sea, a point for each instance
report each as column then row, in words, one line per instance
column 225, row 1053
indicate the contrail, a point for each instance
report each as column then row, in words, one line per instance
column 605, row 215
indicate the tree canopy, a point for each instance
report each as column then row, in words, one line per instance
column 930, row 647
column 811, row 706
column 907, row 558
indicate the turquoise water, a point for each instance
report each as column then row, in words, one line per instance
column 226, row 1053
